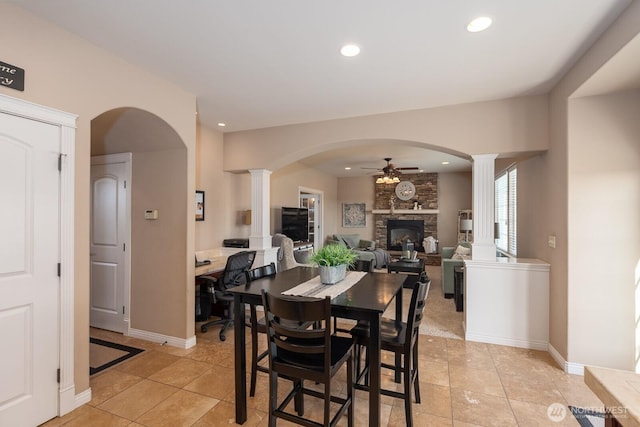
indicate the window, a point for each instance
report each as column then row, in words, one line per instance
column 506, row 211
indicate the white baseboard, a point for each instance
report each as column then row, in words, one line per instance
column 568, row 367
column 534, row 345
column 82, row 398
column 162, row 339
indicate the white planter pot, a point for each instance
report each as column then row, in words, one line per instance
column 332, row 275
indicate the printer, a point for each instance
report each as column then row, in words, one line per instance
column 235, row 243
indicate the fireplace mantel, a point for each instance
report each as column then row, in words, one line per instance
column 406, row 211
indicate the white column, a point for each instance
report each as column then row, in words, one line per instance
column 260, row 238
column 484, row 246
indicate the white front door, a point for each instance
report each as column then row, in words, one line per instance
column 29, row 280
column 109, row 231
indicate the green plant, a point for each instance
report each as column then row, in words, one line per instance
column 332, row 255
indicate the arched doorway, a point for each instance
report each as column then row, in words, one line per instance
column 156, row 254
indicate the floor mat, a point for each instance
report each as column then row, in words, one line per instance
column 105, row 354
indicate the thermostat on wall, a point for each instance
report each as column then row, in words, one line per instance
column 151, row 214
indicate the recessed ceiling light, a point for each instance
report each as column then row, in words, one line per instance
column 481, row 23
column 445, row 163
column 222, row 124
column 350, row 50
column 347, row 168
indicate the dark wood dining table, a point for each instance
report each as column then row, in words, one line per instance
column 366, row 300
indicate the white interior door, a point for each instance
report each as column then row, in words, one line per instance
column 109, row 237
column 29, row 281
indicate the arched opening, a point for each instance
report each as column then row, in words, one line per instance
column 158, row 246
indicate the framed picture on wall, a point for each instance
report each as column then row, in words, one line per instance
column 354, row 215
column 199, row 205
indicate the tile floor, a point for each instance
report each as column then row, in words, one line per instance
column 462, row 384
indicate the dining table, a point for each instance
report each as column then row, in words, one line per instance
column 366, row 300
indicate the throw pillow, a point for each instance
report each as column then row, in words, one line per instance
column 351, row 240
column 461, row 250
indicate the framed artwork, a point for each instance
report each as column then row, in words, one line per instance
column 354, row 215
column 199, row 205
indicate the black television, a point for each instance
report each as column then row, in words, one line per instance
column 295, row 223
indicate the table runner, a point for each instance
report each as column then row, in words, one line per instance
column 314, row 288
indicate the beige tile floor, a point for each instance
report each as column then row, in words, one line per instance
column 462, row 384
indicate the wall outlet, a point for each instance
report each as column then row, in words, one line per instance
column 552, row 241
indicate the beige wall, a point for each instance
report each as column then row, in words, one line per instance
column 454, row 193
column 210, row 178
column 505, row 126
column 356, row 190
column 562, row 322
column 285, row 184
column 157, row 266
column 604, row 247
column 67, row 73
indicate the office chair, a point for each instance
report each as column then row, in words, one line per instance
column 257, row 326
column 312, row 354
column 402, row 339
column 233, row 275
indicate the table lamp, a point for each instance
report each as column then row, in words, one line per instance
column 466, row 225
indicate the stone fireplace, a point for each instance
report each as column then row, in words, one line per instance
column 426, row 195
column 400, row 231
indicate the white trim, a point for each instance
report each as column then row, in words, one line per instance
column 29, row 110
column 67, row 124
column 82, row 398
column 127, row 159
column 533, row 344
column 568, row 367
column 162, row 339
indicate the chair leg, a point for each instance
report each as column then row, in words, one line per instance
column 298, row 400
column 417, row 371
column 407, row 389
column 273, row 397
column 350, row 392
column 327, row 404
column 254, row 351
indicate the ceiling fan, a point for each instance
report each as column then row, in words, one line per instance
column 390, row 172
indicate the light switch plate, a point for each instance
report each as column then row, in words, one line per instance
column 552, row 241
column 151, row 214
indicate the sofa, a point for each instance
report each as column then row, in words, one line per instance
column 452, row 257
column 365, row 249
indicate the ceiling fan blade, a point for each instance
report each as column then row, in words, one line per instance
column 378, row 169
column 408, row 169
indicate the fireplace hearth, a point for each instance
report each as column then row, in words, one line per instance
column 400, row 231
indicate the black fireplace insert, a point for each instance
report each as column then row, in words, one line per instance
column 400, row 231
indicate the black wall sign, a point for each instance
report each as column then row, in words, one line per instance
column 11, row 76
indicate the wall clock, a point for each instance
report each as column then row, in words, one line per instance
column 405, row 190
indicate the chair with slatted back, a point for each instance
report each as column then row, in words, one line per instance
column 257, row 325
column 312, row 354
column 233, row 275
column 358, row 265
column 402, row 339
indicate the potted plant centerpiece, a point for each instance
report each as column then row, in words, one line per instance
column 333, row 261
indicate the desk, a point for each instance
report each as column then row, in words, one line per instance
column 366, row 300
column 217, row 265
